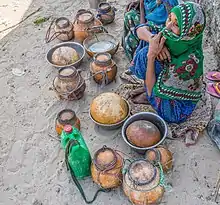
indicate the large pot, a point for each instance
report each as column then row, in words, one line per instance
column 142, row 183
column 161, row 155
column 109, row 108
column 69, row 84
column 107, row 167
column 84, row 21
column 103, row 68
column 148, row 116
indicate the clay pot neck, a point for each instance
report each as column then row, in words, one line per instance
column 110, row 161
column 104, row 7
column 157, row 154
column 67, row 73
column 66, row 116
column 103, row 59
column 84, row 16
column 141, row 172
column 62, row 23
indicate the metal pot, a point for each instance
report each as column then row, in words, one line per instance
column 155, row 119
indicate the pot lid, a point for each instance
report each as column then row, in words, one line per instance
column 105, row 159
column 62, row 22
column 65, row 116
column 142, row 172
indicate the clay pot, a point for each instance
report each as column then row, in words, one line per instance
column 106, row 13
column 108, row 108
column 63, row 30
column 103, row 68
column 69, row 84
column 141, row 183
column 162, row 155
column 106, row 168
column 143, row 133
column 66, row 117
column 84, row 21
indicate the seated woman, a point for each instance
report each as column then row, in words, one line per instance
column 144, row 11
column 173, row 86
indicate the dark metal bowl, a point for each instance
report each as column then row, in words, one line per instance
column 112, row 126
column 78, row 47
column 155, row 119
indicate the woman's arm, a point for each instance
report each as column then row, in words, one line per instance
column 144, row 34
column 156, row 44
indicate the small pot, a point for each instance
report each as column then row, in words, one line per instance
column 63, row 30
column 161, row 155
column 84, row 21
column 106, row 13
column 103, row 68
column 66, row 117
column 106, row 168
column 69, row 84
column 142, row 183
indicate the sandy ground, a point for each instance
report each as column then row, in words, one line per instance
column 32, row 169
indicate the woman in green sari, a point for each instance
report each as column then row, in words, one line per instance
column 173, row 87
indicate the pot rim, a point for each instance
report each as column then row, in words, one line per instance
column 62, row 18
column 97, row 35
column 123, row 131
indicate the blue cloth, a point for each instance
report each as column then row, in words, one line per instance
column 172, row 111
column 158, row 13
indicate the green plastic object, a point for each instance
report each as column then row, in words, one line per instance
column 77, row 153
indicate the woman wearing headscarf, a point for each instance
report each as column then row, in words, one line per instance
column 173, row 87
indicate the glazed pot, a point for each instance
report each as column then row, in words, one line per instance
column 161, row 155
column 69, row 84
column 84, row 21
column 106, row 168
column 63, row 30
column 109, row 108
column 142, row 183
column 106, row 13
column 103, row 68
column 66, row 117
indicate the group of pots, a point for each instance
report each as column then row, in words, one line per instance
column 69, row 84
column 142, row 180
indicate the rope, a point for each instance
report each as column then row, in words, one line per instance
column 71, row 143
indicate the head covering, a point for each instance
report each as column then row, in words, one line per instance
column 157, row 11
column 182, row 78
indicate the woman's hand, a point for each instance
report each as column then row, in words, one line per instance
column 156, row 44
column 133, row 5
column 164, row 54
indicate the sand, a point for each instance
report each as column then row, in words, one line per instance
column 32, row 169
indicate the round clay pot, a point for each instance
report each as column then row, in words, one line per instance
column 109, row 108
column 162, row 155
column 106, row 168
column 143, row 133
column 103, row 68
column 141, row 183
column 69, row 84
column 106, row 13
column 64, row 29
column 84, row 21
column 66, row 117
